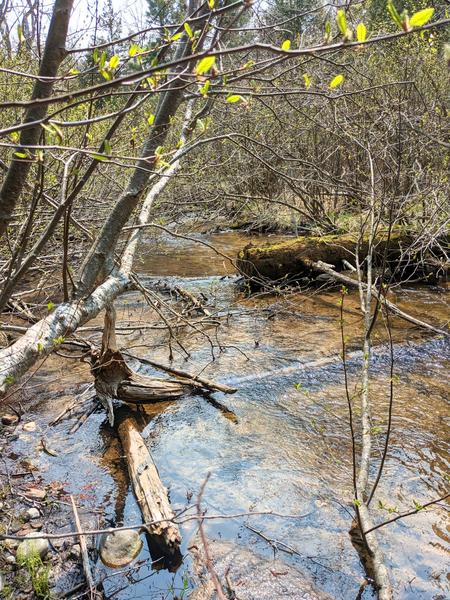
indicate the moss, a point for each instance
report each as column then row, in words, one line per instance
column 39, row 574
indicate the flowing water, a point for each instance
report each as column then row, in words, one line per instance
column 289, row 451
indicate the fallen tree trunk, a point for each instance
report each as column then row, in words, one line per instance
column 163, row 536
column 291, row 260
column 115, row 379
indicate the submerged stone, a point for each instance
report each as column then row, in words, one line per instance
column 119, row 548
column 255, row 577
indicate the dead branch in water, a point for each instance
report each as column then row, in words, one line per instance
column 93, row 592
column 194, row 380
column 320, row 266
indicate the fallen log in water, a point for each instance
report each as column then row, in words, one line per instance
column 291, row 260
column 163, row 536
column 115, row 379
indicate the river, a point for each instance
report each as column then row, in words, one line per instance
column 289, row 451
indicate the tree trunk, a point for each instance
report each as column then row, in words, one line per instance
column 43, row 337
column 54, row 54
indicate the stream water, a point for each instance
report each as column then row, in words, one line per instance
column 289, row 451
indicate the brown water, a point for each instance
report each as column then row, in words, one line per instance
column 289, row 452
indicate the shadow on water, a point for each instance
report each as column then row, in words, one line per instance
column 286, row 447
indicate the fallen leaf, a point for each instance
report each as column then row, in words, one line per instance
column 36, row 493
column 47, row 449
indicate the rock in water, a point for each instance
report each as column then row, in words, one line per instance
column 10, row 419
column 32, row 546
column 33, row 513
column 119, row 548
column 255, row 577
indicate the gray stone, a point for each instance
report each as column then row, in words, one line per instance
column 11, row 559
column 33, row 513
column 31, row 546
column 119, row 548
column 75, row 551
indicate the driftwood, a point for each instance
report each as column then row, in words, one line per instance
column 163, row 536
column 192, row 380
column 291, row 260
column 115, row 379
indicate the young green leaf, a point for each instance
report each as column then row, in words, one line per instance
column 328, row 34
column 114, row 62
column 176, row 36
column 421, row 17
column 307, row 80
column 58, row 132
column 14, row 135
column 286, row 45
column 151, row 119
column 211, row 4
column 107, row 147
column 188, row 30
column 361, row 32
column 336, row 81
column 20, row 154
column 100, row 157
column 204, row 89
column 50, row 306
column 234, row 98
column 20, row 34
column 133, row 50
column 106, row 74
column 204, row 65
column 341, row 20
column 102, row 60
